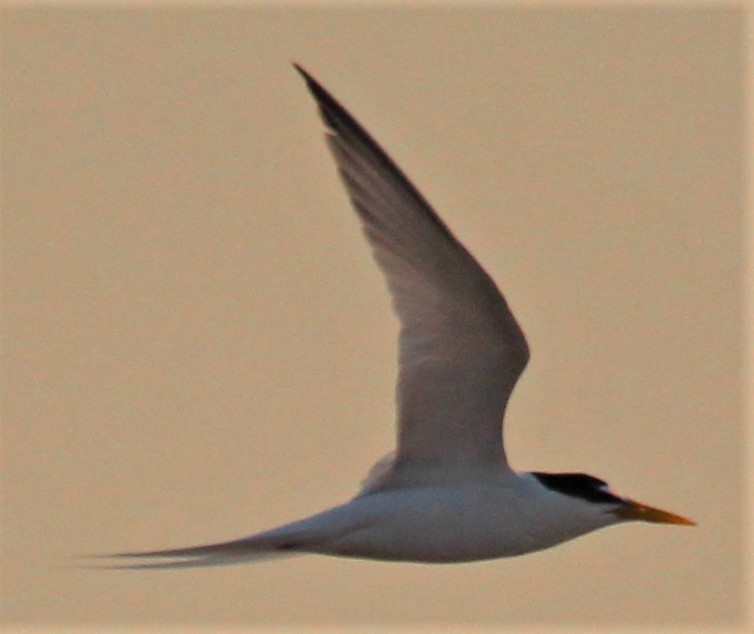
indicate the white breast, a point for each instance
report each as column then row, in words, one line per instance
column 465, row 522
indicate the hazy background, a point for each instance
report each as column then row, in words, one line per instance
column 198, row 345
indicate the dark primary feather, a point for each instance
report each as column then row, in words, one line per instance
column 341, row 123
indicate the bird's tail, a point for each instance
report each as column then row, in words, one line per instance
column 260, row 547
column 316, row 534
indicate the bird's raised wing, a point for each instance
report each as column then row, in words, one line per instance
column 460, row 348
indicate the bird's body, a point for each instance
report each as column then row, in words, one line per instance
column 493, row 514
column 447, row 494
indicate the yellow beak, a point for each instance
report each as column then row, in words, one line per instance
column 643, row 513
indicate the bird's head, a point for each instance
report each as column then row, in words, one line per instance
column 597, row 492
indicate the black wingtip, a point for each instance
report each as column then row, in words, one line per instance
column 323, row 97
column 311, row 83
column 336, row 118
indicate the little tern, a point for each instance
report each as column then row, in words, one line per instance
column 447, row 493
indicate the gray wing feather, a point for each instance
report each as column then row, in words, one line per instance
column 460, row 348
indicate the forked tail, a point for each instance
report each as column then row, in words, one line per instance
column 255, row 548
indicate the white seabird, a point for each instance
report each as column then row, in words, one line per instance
column 447, row 493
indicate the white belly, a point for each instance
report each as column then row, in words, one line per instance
column 446, row 524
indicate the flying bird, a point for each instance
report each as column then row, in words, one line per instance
column 447, row 493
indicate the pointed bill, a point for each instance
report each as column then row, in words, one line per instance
column 643, row 513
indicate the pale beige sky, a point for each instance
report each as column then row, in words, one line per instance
column 198, row 345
